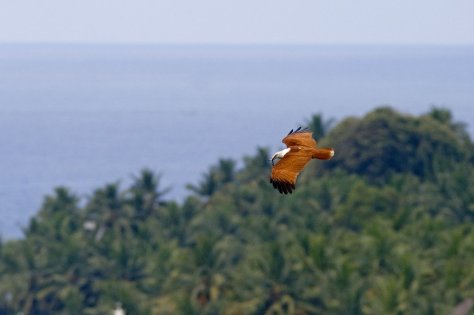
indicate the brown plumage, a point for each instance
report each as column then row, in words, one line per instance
column 301, row 148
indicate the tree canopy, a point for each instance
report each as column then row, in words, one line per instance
column 386, row 227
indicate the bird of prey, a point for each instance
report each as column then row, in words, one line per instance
column 301, row 148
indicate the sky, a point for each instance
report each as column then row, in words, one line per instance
column 239, row 22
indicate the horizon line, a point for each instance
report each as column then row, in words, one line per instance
column 236, row 44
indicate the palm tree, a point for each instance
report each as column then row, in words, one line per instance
column 215, row 178
column 146, row 194
column 319, row 125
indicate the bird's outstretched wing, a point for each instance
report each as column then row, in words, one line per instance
column 300, row 137
column 285, row 172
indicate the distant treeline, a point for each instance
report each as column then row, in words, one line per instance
column 386, row 227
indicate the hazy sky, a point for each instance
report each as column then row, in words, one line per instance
column 239, row 21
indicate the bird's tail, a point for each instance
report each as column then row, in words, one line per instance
column 323, row 153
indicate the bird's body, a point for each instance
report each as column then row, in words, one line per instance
column 301, row 148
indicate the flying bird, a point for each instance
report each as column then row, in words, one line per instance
column 301, row 148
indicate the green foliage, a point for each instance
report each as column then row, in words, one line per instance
column 319, row 126
column 217, row 176
column 384, row 228
column 385, row 142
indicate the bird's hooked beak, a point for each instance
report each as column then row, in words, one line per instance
column 273, row 159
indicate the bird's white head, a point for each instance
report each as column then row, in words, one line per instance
column 279, row 155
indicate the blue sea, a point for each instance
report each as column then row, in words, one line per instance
column 85, row 115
